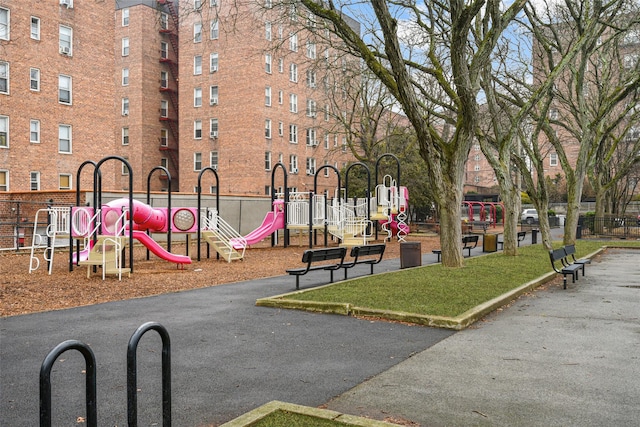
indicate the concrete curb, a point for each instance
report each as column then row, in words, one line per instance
column 274, row 406
column 457, row 323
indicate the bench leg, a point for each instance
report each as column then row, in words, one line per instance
column 345, row 273
column 331, row 271
column 297, row 281
column 371, row 268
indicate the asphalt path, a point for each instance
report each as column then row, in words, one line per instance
column 227, row 355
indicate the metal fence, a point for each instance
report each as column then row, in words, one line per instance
column 612, row 227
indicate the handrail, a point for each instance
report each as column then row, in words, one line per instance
column 229, row 237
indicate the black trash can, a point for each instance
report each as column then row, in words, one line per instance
column 410, row 254
column 534, row 236
column 489, row 242
column 579, row 232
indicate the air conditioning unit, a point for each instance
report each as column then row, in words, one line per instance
column 294, row 170
column 213, row 102
column 214, row 69
column 125, row 113
column 67, row 3
column 214, row 134
column 65, row 50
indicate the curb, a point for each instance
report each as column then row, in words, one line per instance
column 274, row 406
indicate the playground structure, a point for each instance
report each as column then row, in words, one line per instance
column 102, row 234
column 487, row 212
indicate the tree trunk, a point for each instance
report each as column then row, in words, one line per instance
column 451, row 229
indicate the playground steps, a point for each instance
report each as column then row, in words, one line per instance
column 108, row 261
column 350, row 241
column 221, row 245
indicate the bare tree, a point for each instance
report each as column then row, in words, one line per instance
column 430, row 58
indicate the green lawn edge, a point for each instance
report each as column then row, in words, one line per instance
column 276, row 413
column 436, row 296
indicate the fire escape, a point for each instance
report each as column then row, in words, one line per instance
column 169, row 89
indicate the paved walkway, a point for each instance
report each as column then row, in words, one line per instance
column 556, row 358
column 559, row 357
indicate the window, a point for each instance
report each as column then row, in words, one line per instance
column 64, row 181
column 476, row 168
column 553, row 159
column 267, row 128
column 311, row 78
column 326, row 112
column 164, row 137
column 213, row 62
column 326, row 141
column 293, row 134
column 125, row 17
column 311, row 50
column 267, row 96
column 214, row 31
column 125, row 136
column 4, row 23
column 34, row 131
column 197, row 32
column 267, row 63
column 213, row 3
column 164, row 162
column 293, row 163
column 267, row 30
column 213, row 128
column 293, row 103
column 125, row 77
column 125, row 106
column 4, row 132
column 35, row 28
column 197, row 65
column 213, row 160
column 293, row 73
column 197, row 129
column 64, row 139
column 164, row 21
column 164, row 79
column 64, row 89
column 311, row 166
column 267, row 160
column 553, row 113
column 311, row 108
column 311, row 137
column 34, row 181
column 268, row 4
column 197, row 161
column 164, row 108
column 164, row 52
column 281, row 65
column 293, row 42
column 213, row 95
column 124, row 170
column 326, row 170
column 65, row 40
column 125, row 46
column 280, row 97
column 197, row 4
column 280, row 129
column 197, row 97
column 34, row 79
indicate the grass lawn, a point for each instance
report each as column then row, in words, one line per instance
column 438, row 291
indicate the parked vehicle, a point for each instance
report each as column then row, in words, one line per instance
column 529, row 216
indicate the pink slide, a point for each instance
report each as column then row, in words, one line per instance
column 273, row 221
column 158, row 250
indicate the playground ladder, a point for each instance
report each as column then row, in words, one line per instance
column 57, row 226
column 224, row 239
column 106, row 252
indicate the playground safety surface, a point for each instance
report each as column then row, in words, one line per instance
column 23, row 293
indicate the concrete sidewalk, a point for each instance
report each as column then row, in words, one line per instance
column 555, row 358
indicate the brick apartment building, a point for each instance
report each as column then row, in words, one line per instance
column 56, row 92
column 198, row 84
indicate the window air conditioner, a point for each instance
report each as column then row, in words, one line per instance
column 294, row 170
column 214, row 134
column 213, row 102
column 214, row 69
column 67, row 3
column 64, row 50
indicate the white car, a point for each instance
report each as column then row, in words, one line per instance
column 529, row 216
